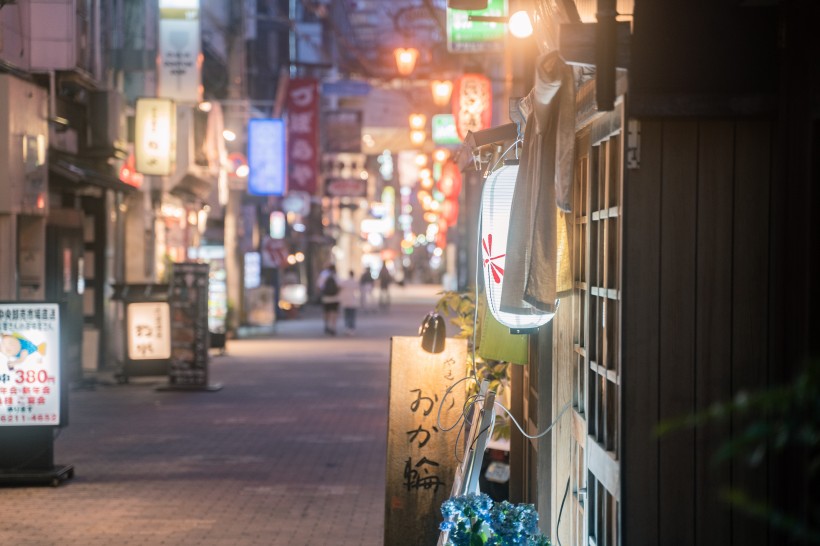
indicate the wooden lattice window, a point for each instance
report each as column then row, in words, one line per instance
column 596, row 373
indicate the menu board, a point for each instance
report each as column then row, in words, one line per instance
column 421, row 460
column 188, row 366
column 29, row 364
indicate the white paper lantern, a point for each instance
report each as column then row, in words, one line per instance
column 496, row 204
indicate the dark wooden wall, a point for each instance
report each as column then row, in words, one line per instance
column 696, row 301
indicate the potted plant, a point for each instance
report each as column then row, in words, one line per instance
column 474, row 520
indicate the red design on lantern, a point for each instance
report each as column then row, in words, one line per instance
column 495, row 269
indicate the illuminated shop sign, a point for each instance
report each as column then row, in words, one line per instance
column 155, row 136
column 266, row 157
column 29, row 364
column 149, row 330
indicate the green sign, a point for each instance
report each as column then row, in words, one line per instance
column 444, row 130
column 465, row 36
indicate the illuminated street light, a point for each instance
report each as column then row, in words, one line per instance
column 520, row 25
column 417, row 121
column 406, row 59
column 418, row 137
column 228, row 135
column 442, row 89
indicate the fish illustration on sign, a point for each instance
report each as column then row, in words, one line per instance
column 17, row 349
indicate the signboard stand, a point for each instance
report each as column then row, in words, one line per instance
column 188, row 297
column 27, row 457
column 421, row 457
column 147, row 332
column 33, row 395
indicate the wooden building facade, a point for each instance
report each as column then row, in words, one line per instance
column 695, row 247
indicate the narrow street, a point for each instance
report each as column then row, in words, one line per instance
column 291, row 451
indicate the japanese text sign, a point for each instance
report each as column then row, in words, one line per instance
column 149, row 330
column 266, row 157
column 179, row 50
column 303, row 111
column 29, row 364
column 473, row 103
column 421, row 462
column 465, row 36
column 155, row 136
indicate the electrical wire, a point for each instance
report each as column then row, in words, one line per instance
column 540, row 434
column 560, row 511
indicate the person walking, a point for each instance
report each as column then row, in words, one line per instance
column 349, row 300
column 366, row 289
column 328, row 284
column 385, row 280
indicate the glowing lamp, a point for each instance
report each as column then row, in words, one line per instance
column 450, row 182
column 406, row 58
column 441, row 155
column 442, row 89
column 417, row 121
column 472, row 103
column 449, row 211
column 417, row 138
column 496, row 203
column 520, row 25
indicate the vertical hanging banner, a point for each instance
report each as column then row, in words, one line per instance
column 421, row 461
column 30, row 383
column 472, row 104
column 179, row 51
column 267, row 158
column 303, row 113
column 155, row 136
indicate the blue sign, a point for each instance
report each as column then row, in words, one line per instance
column 267, row 173
column 346, row 88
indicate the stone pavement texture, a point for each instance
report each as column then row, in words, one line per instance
column 290, row 452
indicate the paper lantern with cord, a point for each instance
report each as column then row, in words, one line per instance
column 496, row 205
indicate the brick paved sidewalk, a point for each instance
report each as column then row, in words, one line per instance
column 290, row 452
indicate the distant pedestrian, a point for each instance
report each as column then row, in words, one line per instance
column 366, row 289
column 328, row 284
column 385, row 280
column 349, row 299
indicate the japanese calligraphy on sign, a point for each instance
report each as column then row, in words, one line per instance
column 149, row 330
column 189, row 325
column 421, row 458
column 29, row 364
column 303, row 111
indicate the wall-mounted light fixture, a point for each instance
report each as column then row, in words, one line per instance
column 433, row 332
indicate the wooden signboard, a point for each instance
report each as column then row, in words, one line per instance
column 188, row 367
column 421, row 458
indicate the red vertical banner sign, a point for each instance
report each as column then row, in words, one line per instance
column 302, row 127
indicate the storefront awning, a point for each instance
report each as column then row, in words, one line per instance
column 71, row 171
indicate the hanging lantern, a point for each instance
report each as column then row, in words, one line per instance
column 442, row 89
column 472, row 104
column 406, row 59
column 449, row 211
column 417, row 138
column 417, row 121
column 496, row 203
column 450, row 182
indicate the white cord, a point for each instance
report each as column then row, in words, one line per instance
column 566, row 407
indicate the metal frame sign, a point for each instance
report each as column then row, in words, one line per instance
column 465, row 36
column 267, row 158
column 148, row 328
column 30, row 354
